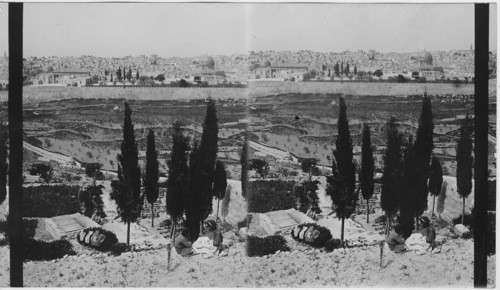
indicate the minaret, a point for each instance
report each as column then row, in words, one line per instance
column 471, row 46
column 5, row 54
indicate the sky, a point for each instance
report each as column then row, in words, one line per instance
column 190, row 29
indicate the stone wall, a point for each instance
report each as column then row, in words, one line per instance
column 257, row 89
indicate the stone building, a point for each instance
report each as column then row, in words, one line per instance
column 423, row 65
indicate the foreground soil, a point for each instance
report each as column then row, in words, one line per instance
column 299, row 268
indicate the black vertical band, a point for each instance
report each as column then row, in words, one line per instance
column 16, row 142
column 481, row 58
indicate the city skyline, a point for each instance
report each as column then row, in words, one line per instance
column 188, row 30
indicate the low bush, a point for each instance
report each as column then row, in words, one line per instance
column 257, row 246
column 50, row 201
column 97, row 238
column 313, row 234
column 269, row 195
column 332, row 244
column 119, row 248
column 37, row 250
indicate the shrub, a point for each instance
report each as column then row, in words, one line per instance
column 119, row 248
column 99, row 239
column 50, row 201
column 319, row 241
column 257, row 246
column 37, row 250
column 44, row 170
column 269, row 195
column 332, row 244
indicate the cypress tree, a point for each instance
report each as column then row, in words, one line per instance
column 392, row 172
column 3, row 164
column 342, row 67
column 336, row 69
column 347, row 69
column 178, row 172
column 423, row 150
column 220, row 183
column 151, row 188
column 406, row 197
column 208, row 155
column 119, row 74
column 342, row 183
column 435, row 180
column 137, row 75
column 464, row 162
column 367, row 169
column 355, row 70
column 244, row 166
column 129, row 74
column 194, row 199
column 127, row 191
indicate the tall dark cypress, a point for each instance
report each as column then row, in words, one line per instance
column 127, row 191
column 220, row 183
column 341, row 185
column 465, row 162
column 435, row 180
column 392, row 171
column 406, row 196
column 423, row 150
column 367, row 169
column 178, row 172
column 208, row 155
column 151, row 188
column 194, row 199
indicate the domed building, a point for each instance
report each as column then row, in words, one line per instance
column 207, row 71
column 48, row 69
column 424, row 68
column 424, row 58
column 265, row 63
column 207, row 62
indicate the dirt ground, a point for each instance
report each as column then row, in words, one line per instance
column 357, row 267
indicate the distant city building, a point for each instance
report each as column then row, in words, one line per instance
column 207, row 73
column 425, row 68
column 286, row 72
column 49, row 76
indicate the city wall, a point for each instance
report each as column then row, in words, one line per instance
column 359, row 88
column 258, row 89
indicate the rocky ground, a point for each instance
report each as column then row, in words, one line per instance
column 303, row 267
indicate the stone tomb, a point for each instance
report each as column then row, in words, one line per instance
column 68, row 226
column 280, row 221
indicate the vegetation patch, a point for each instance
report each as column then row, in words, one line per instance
column 258, row 247
column 37, row 250
column 50, row 201
column 270, row 195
